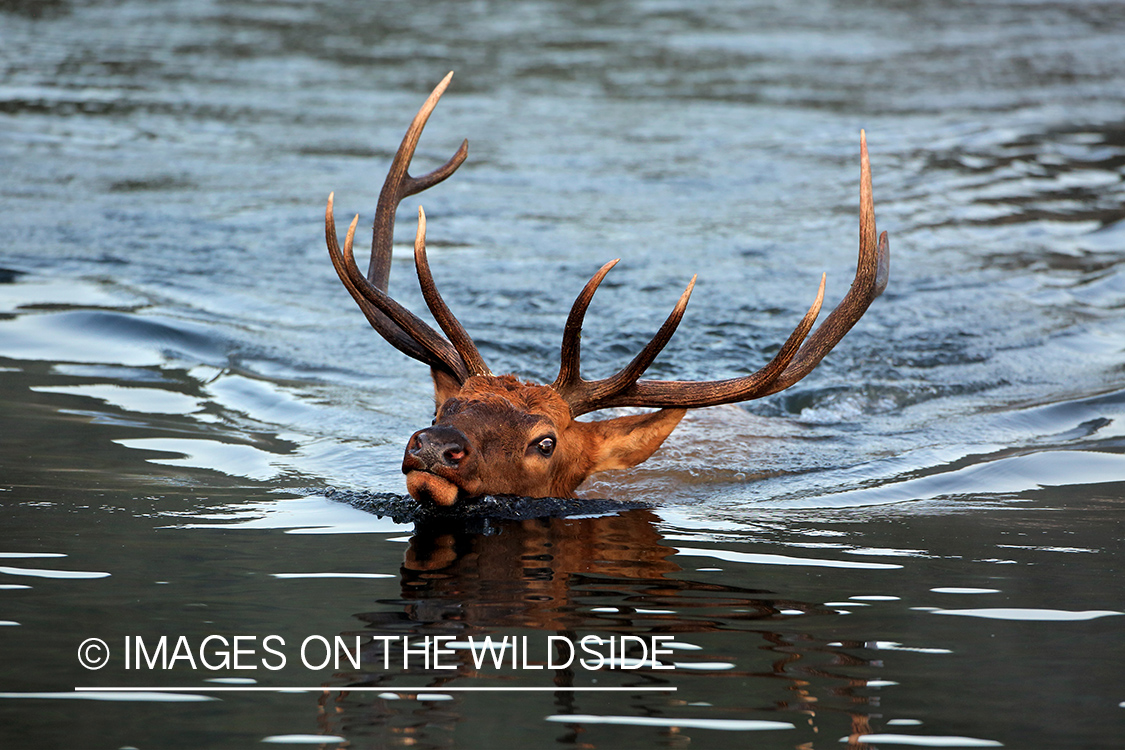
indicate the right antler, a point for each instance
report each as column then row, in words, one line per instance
column 400, row 327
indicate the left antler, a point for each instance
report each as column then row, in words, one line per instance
column 795, row 360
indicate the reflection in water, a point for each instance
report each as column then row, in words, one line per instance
column 537, row 581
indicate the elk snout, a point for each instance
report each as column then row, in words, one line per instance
column 434, row 463
column 440, row 446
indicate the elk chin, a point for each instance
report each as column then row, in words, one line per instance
column 430, row 488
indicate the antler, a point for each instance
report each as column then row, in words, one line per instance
column 793, row 362
column 458, row 357
column 401, row 328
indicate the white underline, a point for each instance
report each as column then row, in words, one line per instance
column 388, row 689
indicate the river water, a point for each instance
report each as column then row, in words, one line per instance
column 920, row 544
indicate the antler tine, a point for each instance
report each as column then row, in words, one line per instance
column 400, row 184
column 583, row 395
column 570, row 357
column 449, row 324
column 872, row 272
column 400, row 327
column 646, row 356
column 392, row 333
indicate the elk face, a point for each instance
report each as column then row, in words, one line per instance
column 498, row 435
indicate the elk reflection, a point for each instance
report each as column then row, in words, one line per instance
column 612, row 575
column 546, row 574
column 609, row 573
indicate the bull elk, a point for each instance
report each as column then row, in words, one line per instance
column 497, row 435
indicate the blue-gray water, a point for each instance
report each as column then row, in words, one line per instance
column 920, row 542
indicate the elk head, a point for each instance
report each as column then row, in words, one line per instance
column 498, row 435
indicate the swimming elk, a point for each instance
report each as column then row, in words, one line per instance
column 494, row 434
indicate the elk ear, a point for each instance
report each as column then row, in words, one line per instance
column 445, row 386
column 627, row 441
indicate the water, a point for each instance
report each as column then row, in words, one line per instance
column 919, row 544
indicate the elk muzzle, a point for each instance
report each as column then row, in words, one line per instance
column 435, row 463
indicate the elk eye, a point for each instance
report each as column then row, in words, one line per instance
column 546, row 446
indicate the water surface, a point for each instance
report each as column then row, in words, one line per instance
column 919, row 544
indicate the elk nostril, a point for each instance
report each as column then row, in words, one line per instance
column 438, row 446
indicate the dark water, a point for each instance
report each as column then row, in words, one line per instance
column 919, row 544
